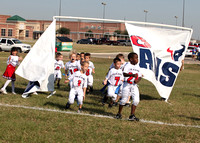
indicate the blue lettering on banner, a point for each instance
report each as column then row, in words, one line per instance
column 171, row 77
column 168, row 68
column 178, row 53
column 143, row 61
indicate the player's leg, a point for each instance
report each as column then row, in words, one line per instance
column 80, row 100
column 13, row 87
column 72, row 94
column 125, row 94
column 59, row 76
column 111, row 94
column 136, row 99
column 3, row 89
column 89, row 84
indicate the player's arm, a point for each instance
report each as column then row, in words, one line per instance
column 137, row 80
column 93, row 71
column 84, row 91
column 129, row 75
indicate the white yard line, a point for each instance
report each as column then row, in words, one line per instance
column 95, row 115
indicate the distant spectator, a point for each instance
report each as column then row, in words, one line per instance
column 198, row 53
column 194, row 54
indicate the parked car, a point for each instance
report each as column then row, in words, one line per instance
column 124, row 42
column 107, row 41
column 189, row 50
column 84, row 41
column 6, row 44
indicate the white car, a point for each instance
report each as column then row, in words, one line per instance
column 189, row 50
column 6, row 44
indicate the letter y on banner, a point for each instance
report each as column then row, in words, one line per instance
column 160, row 53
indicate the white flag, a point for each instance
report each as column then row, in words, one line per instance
column 160, row 53
column 38, row 65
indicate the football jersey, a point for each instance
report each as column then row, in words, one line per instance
column 115, row 76
column 121, row 67
column 131, row 69
column 58, row 64
column 14, row 60
column 71, row 67
column 90, row 69
column 78, row 80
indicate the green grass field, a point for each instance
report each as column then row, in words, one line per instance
column 27, row 125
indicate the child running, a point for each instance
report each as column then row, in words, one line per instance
column 132, row 76
column 89, row 73
column 115, row 78
column 58, row 65
column 71, row 67
column 79, row 85
column 9, row 74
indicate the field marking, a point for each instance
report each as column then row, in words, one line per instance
column 95, row 115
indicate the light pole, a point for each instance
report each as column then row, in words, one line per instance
column 145, row 11
column 176, row 19
column 104, row 9
column 183, row 24
column 59, row 13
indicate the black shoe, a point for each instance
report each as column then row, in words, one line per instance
column 58, row 85
column 127, row 104
column 162, row 99
column 133, row 118
column 67, row 105
column 110, row 105
column 91, row 89
column 118, row 116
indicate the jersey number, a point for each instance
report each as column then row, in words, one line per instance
column 117, row 80
column 79, row 82
column 74, row 71
column 130, row 78
column 88, row 72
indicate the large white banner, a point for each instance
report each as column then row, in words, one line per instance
column 38, row 65
column 160, row 53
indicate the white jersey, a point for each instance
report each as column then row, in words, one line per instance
column 90, row 69
column 115, row 77
column 58, row 64
column 131, row 69
column 71, row 67
column 78, row 80
column 14, row 60
column 121, row 67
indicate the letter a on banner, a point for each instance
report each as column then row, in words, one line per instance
column 160, row 53
column 38, row 65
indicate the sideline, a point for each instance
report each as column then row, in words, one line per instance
column 95, row 115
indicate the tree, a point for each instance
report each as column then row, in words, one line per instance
column 125, row 32
column 63, row 31
column 89, row 34
column 118, row 31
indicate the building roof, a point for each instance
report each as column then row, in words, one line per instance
column 64, row 39
column 16, row 18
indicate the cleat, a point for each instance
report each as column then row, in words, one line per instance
column 127, row 104
column 67, row 105
column 25, row 96
column 133, row 118
column 3, row 91
column 14, row 93
column 52, row 93
column 35, row 93
column 118, row 116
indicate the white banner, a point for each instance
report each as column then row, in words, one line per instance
column 38, row 65
column 160, row 52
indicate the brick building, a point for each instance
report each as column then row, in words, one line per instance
column 18, row 27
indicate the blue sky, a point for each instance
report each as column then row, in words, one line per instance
column 159, row 11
